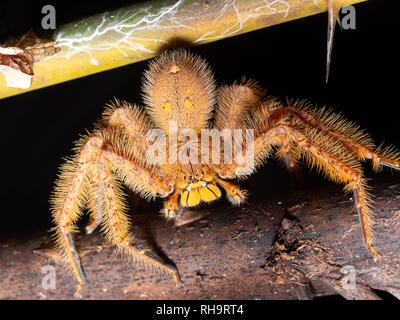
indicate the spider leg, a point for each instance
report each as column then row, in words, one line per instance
column 286, row 154
column 339, row 168
column 133, row 120
column 137, row 177
column 79, row 183
column 336, row 127
column 333, row 159
column 116, row 223
column 68, row 199
column 136, row 125
column 234, row 104
column 64, row 238
column 262, row 147
column 95, row 212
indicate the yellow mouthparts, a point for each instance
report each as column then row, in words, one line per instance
column 207, row 193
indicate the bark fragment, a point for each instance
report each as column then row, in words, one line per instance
column 297, row 245
column 17, row 57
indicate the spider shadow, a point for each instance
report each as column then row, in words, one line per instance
column 148, row 237
column 146, row 222
column 175, row 43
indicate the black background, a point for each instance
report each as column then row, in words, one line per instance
column 38, row 128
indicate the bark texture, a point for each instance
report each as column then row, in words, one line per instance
column 297, row 245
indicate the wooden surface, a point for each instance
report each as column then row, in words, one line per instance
column 295, row 245
column 140, row 31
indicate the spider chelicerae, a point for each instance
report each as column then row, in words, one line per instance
column 160, row 151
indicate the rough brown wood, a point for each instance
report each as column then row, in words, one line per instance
column 289, row 246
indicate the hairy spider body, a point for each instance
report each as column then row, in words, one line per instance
column 182, row 101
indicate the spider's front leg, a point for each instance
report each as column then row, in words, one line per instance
column 115, row 221
column 89, row 176
column 70, row 194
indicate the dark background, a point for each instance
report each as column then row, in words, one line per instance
column 38, row 128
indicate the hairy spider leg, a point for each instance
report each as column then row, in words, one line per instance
column 67, row 203
column 136, row 125
column 116, row 223
column 357, row 143
column 95, row 212
column 340, row 170
column 73, row 190
column 320, row 123
column 133, row 120
column 351, row 136
column 327, row 157
column 235, row 103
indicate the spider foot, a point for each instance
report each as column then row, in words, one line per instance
column 159, row 264
column 78, row 291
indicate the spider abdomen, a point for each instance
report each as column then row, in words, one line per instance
column 179, row 87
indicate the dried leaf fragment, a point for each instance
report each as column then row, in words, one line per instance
column 17, row 67
column 37, row 47
column 17, row 57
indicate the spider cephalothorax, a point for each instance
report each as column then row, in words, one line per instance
column 185, row 144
